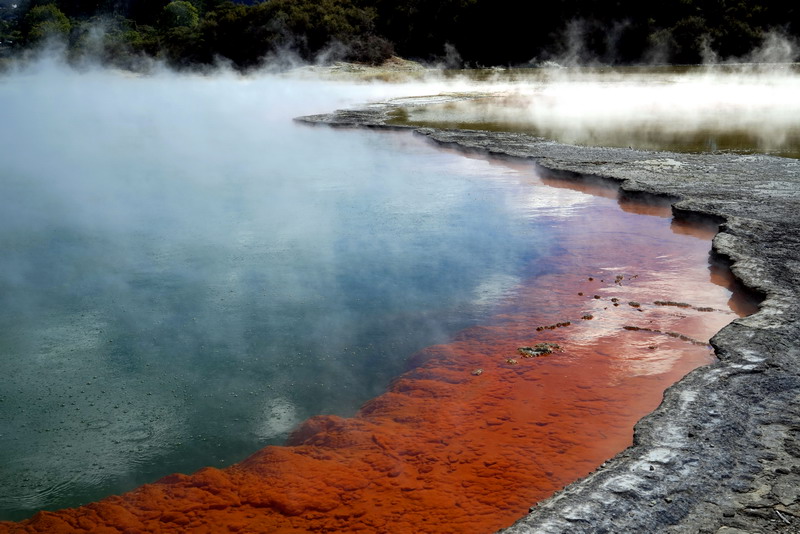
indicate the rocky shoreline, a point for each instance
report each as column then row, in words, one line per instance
column 722, row 452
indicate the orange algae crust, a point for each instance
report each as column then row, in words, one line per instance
column 447, row 449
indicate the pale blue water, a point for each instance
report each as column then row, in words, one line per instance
column 186, row 273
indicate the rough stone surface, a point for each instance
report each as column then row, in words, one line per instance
column 722, row 452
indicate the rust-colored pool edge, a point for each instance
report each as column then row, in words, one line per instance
column 320, row 482
column 722, row 436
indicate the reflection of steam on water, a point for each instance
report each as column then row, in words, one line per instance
column 279, row 417
column 494, row 289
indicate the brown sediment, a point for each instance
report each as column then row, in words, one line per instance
column 563, row 324
column 469, row 439
column 686, row 305
column 678, row 335
column 672, row 303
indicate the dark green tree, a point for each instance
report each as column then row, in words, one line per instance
column 46, row 21
column 180, row 14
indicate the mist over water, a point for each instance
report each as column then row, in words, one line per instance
column 187, row 274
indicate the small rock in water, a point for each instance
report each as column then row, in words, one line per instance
column 538, row 350
column 477, row 372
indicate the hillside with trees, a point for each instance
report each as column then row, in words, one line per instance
column 194, row 33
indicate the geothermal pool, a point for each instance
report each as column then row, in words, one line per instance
column 187, row 275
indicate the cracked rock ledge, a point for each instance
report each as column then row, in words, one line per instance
column 722, row 453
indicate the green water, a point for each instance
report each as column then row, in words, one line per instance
column 187, row 273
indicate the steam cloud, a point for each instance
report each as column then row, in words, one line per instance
column 187, row 273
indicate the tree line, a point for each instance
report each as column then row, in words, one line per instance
column 191, row 33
